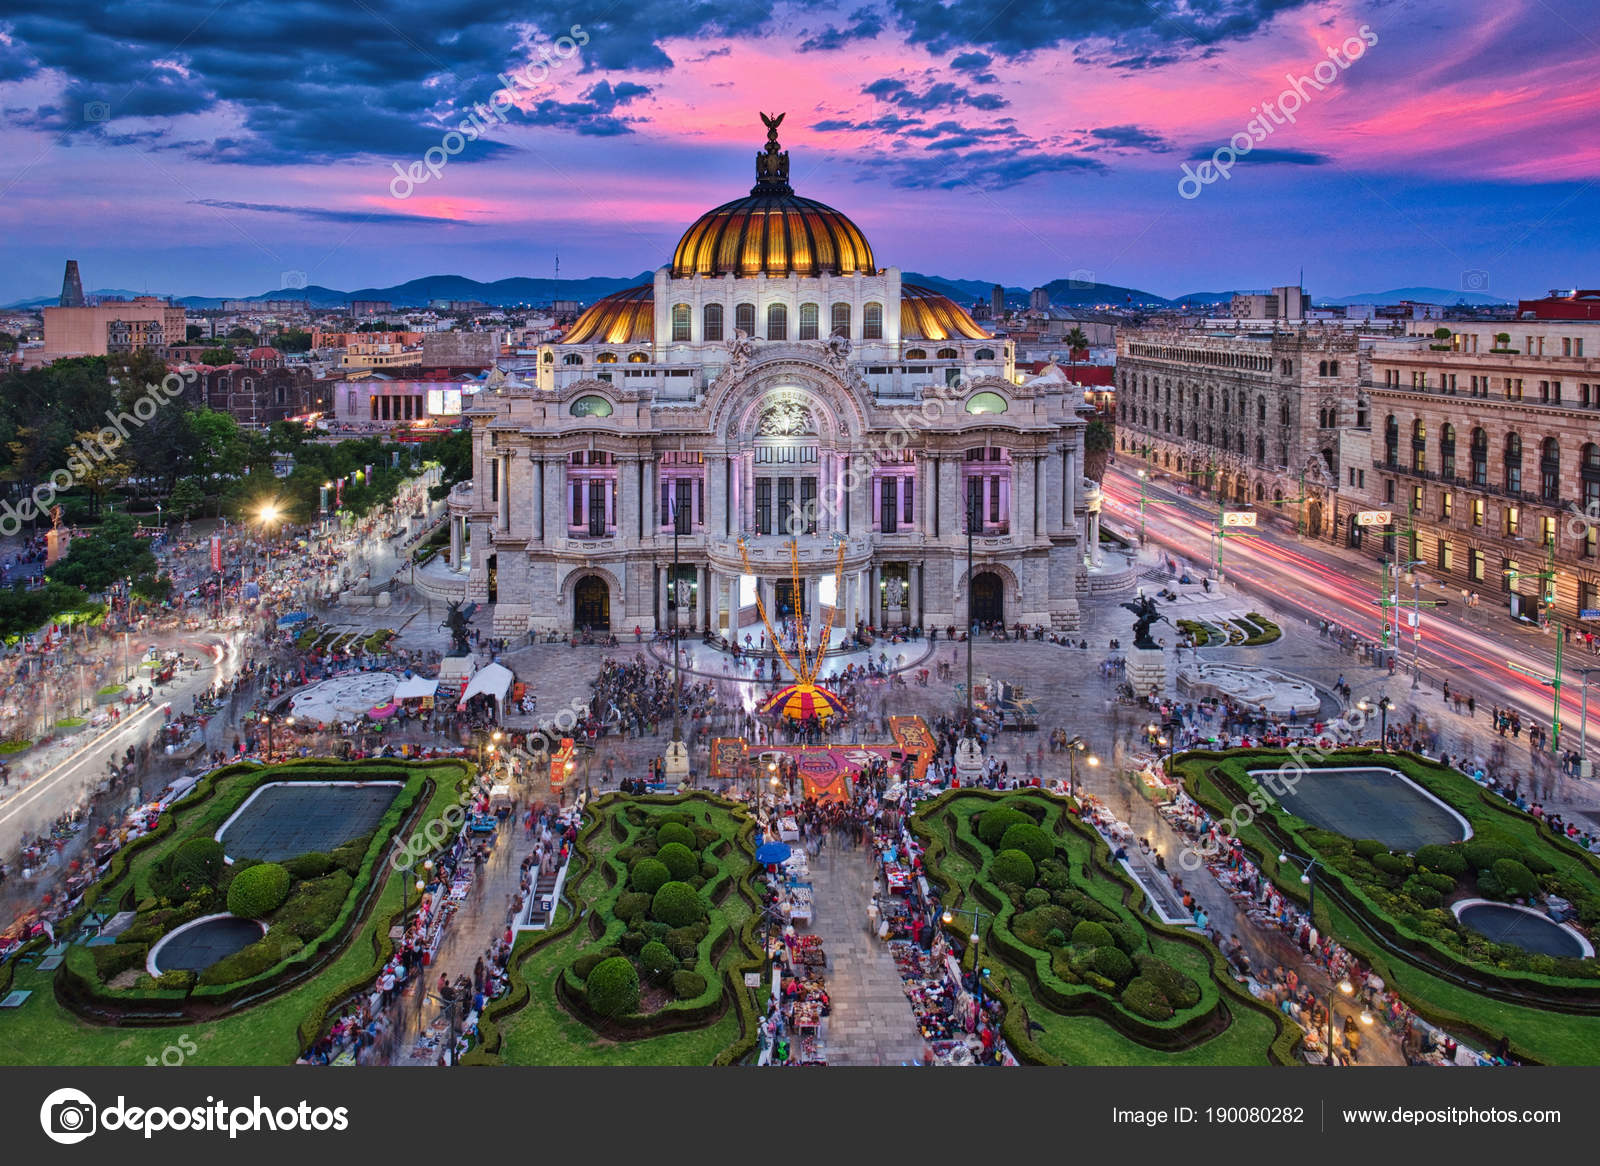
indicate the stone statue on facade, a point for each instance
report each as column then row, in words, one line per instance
column 740, row 349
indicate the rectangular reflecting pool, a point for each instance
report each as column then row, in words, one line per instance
column 1368, row 802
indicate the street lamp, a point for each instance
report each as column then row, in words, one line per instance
column 1416, row 619
column 1163, row 742
column 1383, row 706
column 1309, row 878
column 1346, row 989
column 979, row 972
column 1074, row 747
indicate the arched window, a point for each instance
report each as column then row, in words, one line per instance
column 1391, row 441
column 1322, row 368
column 988, row 354
column 1261, row 449
column 711, row 327
column 1550, row 470
column 1260, row 492
column 1261, row 408
column 777, row 322
column 606, row 358
column 1283, row 413
column 946, row 354
column 872, row 322
column 916, row 354
column 1226, row 397
column 572, row 358
column 1479, row 453
column 638, row 358
column 1447, row 451
column 680, row 321
column 744, row 318
column 549, row 358
column 841, row 320
column 1589, row 474
column 808, row 321
column 1513, row 462
column 1419, row 445
column 1240, row 443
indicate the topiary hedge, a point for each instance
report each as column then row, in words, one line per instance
column 676, row 832
column 656, row 960
column 613, row 987
column 992, row 824
column 678, row 905
column 648, row 875
column 1092, row 934
column 687, row 985
column 258, row 890
column 1029, row 839
column 1013, row 866
column 679, row 860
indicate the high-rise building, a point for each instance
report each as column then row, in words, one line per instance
column 997, row 302
column 71, row 287
column 1039, row 300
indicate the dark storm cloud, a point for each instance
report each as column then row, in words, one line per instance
column 310, row 80
column 985, row 169
column 1269, row 157
column 1140, row 31
column 1129, row 137
column 972, row 62
column 316, row 214
column 940, row 95
column 864, row 25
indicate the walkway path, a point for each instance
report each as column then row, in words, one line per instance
column 871, row 1021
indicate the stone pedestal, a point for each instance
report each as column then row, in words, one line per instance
column 676, row 762
column 1147, row 669
column 969, row 762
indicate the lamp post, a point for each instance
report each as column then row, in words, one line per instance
column 1308, row 878
column 1583, row 719
column 1344, row 988
column 979, row 972
column 1074, row 747
column 1383, row 706
column 1163, row 741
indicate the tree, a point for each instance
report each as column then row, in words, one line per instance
column 1076, row 342
column 113, row 552
column 217, row 356
column 96, row 468
column 292, row 340
column 192, row 332
column 242, row 335
column 186, row 498
column 1098, row 439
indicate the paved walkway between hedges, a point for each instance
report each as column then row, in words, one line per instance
column 871, row 1022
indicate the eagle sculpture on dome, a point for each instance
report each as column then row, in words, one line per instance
column 772, row 164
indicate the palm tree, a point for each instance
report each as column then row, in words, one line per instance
column 1098, row 439
column 1076, row 342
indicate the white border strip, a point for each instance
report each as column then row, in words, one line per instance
column 266, row 785
column 150, row 956
column 1584, row 945
column 1466, row 826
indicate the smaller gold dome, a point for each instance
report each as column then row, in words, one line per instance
column 927, row 315
column 624, row 317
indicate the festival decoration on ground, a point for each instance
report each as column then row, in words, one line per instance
column 798, row 702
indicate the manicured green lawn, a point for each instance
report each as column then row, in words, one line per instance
column 42, row 1032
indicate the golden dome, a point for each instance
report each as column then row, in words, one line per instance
column 772, row 230
column 624, row 317
column 927, row 315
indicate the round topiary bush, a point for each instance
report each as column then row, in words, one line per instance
column 677, row 905
column 1144, row 997
column 257, row 890
column 1092, row 934
column 1516, row 880
column 632, row 905
column 993, row 824
column 675, row 832
column 648, row 875
column 687, row 985
column 1030, row 839
column 1180, row 990
column 1367, row 847
column 1481, row 855
column 679, row 860
column 1112, row 963
column 1012, row 866
column 1445, row 860
column 656, row 961
column 613, row 987
column 1396, row 865
column 1036, row 897
column 197, row 863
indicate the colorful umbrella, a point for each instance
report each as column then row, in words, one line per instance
column 799, row 701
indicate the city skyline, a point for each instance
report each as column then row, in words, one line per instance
column 1028, row 154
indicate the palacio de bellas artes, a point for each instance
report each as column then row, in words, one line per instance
column 775, row 391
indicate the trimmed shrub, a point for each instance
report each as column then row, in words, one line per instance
column 656, row 960
column 1055, row 937
column 1516, row 880
column 314, row 906
column 1061, row 965
column 1394, row 865
column 632, row 905
column 1034, row 926
column 993, row 824
column 677, row 905
column 252, row 960
column 679, row 860
column 112, row 959
column 1012, row 866
column 1181, row 991
column 257, row 890
column 309, row 866
column 613, row 987
column 1144, row 997
column 674, row 832
column 649, row 875
column 1111, row 963
column 633, row 942
column 1036, row 897
column 1128, row 936
column 197, row 863
column 352, row 854
column 1368, row 847
column 1481, row 855
column 1424, row 894
column 1536, row 862
column 1442, row 883
column 687, row 985
column 1446, row 860
column 708, row 869
column 587, row 962
column 1029, row 839
column 177, row 980
column 1091, row 934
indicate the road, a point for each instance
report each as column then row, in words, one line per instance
column 70, row 778
column 1475, row 649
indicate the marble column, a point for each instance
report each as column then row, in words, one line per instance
column 555, row 501
column 537, row 469
column 647, row 498
column 628, row 502
column 1095, row 555
column 747, row 491
column 916, row 594
column 716, row 496
column 1073, row 476
column 1022, row 498
column 851, row 611
column 505, row 490
column 874, row 606
column 663, row 612
column 456, row 541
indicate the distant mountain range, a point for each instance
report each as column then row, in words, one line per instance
column 521, row 290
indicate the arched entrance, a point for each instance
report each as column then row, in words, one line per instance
column 988, row 598
column 1314, row 517
column 591, row 604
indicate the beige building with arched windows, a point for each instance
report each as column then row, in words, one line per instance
column 774, row 385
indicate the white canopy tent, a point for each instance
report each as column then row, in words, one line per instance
column 493, row 680
column 414, row 688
